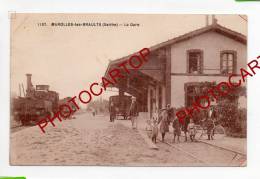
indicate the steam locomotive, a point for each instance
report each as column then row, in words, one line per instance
column 36, row 104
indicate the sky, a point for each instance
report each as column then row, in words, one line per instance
column 69, row 59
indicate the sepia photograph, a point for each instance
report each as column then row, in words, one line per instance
column 128, row 90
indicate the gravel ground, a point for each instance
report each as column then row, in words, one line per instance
column 88, row 140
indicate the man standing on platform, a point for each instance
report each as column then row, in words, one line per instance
column 134, row 113
column 210, row 127
column 112, row 110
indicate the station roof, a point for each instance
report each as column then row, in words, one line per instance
column 210, row 28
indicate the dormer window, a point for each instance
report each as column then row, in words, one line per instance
column 228, row 62
column 194, row 61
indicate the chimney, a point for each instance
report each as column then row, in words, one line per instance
column 29, row 82
column 207, row 20
column 214, row 20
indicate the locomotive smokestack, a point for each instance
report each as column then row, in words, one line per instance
column 29, row 83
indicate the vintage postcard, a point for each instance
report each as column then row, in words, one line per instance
column 129, row 89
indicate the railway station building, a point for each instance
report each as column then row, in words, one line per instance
column 180, row 66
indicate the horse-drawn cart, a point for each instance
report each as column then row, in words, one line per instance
column 119, row 106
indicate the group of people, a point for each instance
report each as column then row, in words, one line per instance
column 162, row 120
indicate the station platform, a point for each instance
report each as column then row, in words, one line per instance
column 236, row 145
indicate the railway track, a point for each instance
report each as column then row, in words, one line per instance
column 235, row 158
column 183, row 151
column 236, row 154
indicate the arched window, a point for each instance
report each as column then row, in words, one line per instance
column 228, row 62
